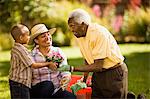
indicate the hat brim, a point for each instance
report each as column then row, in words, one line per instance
column 51, row 31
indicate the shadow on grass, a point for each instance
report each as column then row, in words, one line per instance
column 4, row 68
column 76, row 62
column 139, row 65
column 139, row 72
column 140, row 60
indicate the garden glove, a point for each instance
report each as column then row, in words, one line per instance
column 65, row 68
column 77, row 86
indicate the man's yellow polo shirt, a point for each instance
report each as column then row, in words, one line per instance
column 100, row 44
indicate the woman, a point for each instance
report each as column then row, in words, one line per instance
column 45, row 82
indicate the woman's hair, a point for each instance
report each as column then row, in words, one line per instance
column 79, row 16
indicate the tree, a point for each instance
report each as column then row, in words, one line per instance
column 22, row 11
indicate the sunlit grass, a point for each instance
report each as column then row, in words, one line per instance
column 127, row 49
column 5, row 56
column 4, row 88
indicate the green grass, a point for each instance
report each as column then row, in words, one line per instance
column 137, row 57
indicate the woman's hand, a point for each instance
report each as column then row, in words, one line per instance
column 64, row 82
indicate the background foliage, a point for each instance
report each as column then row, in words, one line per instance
column 54, row 13
column 30, row 12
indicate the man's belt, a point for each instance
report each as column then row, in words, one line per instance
column 115, row 66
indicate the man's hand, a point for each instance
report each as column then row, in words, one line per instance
column 52, row 66
column 64, row 68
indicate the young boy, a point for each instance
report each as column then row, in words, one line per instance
column 21, row 62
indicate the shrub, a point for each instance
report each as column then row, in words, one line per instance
column 136, row 24
column 5, row 41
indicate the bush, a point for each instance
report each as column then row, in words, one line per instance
column 136, row 25
column 5, row 41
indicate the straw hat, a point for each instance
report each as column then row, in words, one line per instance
column 39, row 29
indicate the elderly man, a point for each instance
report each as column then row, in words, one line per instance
column 47, row 83
column 102, row 57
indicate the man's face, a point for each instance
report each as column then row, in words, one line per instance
column 77, row 29
column 44, row 40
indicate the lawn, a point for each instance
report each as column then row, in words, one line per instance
column 137, row 57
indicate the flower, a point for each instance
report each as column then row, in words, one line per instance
column 55, row 57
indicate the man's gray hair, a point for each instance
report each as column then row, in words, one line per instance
column 80, row 15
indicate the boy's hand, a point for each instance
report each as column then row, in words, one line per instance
column 64, row 68
column 52, row 66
